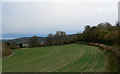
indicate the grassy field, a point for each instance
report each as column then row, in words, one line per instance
column 65, row 58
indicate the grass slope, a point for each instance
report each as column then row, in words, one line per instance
column 65, row 58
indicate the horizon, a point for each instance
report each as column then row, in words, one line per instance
column 15, row 36
column 26, row 19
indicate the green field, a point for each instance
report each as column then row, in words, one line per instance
column 65, row 58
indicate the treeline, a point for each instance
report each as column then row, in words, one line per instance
column 102, row 33
column 60, row 38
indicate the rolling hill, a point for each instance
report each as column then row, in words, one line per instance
column 64, row 58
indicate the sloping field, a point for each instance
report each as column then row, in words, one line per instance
column 65, row 58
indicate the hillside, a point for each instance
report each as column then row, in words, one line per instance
column 26, row 39
column 65, row 58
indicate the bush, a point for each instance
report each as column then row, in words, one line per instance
column 6, row 50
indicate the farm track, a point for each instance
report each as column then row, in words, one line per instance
column 72, row 60
column 66, row 58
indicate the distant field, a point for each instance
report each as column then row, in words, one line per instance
column 65, row 58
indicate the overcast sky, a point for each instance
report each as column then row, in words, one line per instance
column 21, row 19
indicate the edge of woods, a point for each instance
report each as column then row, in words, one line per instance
column 112, row 55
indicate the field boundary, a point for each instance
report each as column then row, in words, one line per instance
column 113, row 52
column 13, row 53
column 105, row 47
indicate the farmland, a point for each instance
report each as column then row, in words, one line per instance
column 64, row 58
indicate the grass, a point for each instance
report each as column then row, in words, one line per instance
column 113, row 45
column 113, row 64
column 65, row 58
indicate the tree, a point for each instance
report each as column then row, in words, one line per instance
column 102, row 33
column 62, row 37
column 20, row 45
column 102, row 25
column 49, row 40
column 87, row 27
column 13, row 45
column 5, row 49
column 117, row 24
column 34, row 42
column 108, row 26
column 57, row 39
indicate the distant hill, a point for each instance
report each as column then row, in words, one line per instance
column 26, row 39
column 4, row 40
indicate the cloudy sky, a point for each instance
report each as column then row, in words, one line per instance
column 20, row 19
